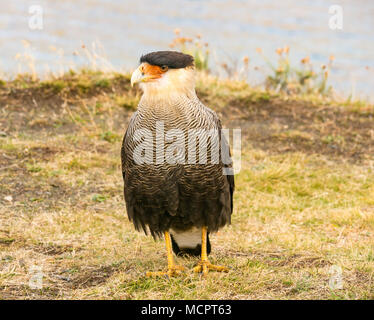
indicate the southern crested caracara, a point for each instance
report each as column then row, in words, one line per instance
column 167, row 190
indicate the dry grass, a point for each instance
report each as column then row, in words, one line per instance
column 304, row 199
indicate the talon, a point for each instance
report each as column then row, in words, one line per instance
column 197, row 269
column 205, row 266
column 173, row 269
column 151, row 274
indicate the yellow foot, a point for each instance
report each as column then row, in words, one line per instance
column 205, row 266
column 172, row 271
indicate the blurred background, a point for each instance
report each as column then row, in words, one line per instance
column 120, row 31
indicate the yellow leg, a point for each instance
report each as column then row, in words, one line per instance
column 204, row 265
column 173, row 269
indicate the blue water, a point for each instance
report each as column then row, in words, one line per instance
column 127, row 29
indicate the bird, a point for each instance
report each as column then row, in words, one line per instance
column 171, row 188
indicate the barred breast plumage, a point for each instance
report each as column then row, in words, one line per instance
column 163, row 196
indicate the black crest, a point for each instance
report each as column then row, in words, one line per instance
column 171, row 59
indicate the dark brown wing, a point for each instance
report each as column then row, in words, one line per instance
column 179, row 196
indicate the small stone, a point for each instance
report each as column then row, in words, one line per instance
column 3, row 134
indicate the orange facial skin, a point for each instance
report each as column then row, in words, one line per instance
column 152, row 72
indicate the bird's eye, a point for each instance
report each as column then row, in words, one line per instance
column 164, row 68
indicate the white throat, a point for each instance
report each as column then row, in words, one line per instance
column 173, row 85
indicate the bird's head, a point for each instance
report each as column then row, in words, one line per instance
column 165, row 73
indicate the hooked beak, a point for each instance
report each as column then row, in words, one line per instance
column 137, row 76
